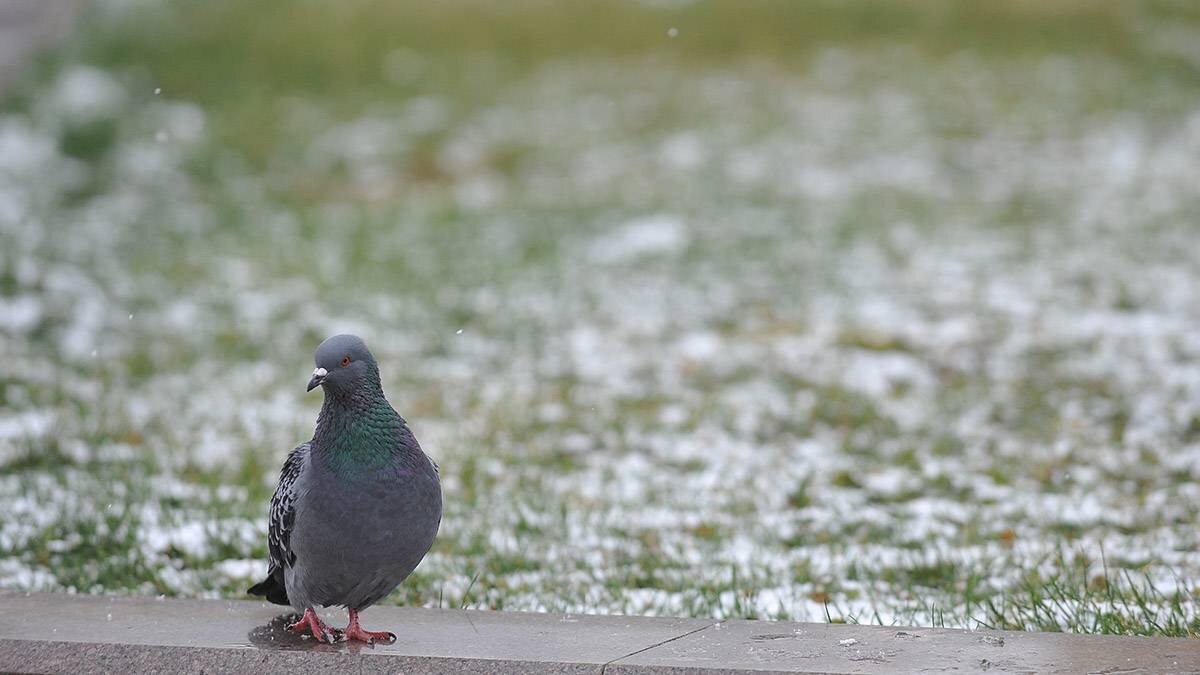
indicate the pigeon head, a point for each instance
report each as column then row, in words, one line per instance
column 344, row 364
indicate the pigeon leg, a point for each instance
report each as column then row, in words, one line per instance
column 356, row 632
column 311, row 622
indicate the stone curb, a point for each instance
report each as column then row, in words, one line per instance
column 74, row 633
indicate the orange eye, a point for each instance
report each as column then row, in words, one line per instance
column 345, row 361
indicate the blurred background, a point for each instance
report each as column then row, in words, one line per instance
column 879, row 312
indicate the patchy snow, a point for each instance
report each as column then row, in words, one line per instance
column 84, row 94
column 814, row 369
column 25, row 425
column 16, row 576
column 662, row 234
column 240, row 569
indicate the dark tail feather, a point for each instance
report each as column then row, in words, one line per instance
column 272, row 587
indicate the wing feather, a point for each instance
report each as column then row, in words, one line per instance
column 279, row 527
column 283, row 508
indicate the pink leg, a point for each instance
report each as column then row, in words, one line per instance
column 356, row 632
column 310, row 622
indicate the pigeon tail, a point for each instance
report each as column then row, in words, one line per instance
column 272, row 588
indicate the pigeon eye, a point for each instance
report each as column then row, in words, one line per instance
column 345, row 361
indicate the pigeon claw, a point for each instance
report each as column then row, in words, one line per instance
column 356, row 632
column 311, row 623
column 368, row 636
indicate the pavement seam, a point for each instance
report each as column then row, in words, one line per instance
column 654, row 646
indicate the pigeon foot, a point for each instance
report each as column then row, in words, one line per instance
column 310, row 622
column 356, row 632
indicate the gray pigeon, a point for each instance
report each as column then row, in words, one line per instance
column 357, row 507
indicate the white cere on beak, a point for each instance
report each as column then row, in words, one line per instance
column 320, row 372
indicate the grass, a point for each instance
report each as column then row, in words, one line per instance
column 870, row 313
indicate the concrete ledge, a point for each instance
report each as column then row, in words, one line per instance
column 58, row 633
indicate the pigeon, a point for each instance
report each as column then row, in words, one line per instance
column 357, row 507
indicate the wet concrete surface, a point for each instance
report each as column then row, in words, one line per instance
column 85, row 632
column 755, row 646
column 56, row 633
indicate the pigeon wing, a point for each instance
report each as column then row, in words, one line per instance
column 283, row 509
column 279, row 527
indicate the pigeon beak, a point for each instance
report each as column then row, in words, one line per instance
column 318, row 379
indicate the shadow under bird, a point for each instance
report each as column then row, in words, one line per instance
column 357, row 507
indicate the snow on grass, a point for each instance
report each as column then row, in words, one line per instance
column 718, row 339
column 660, row 234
